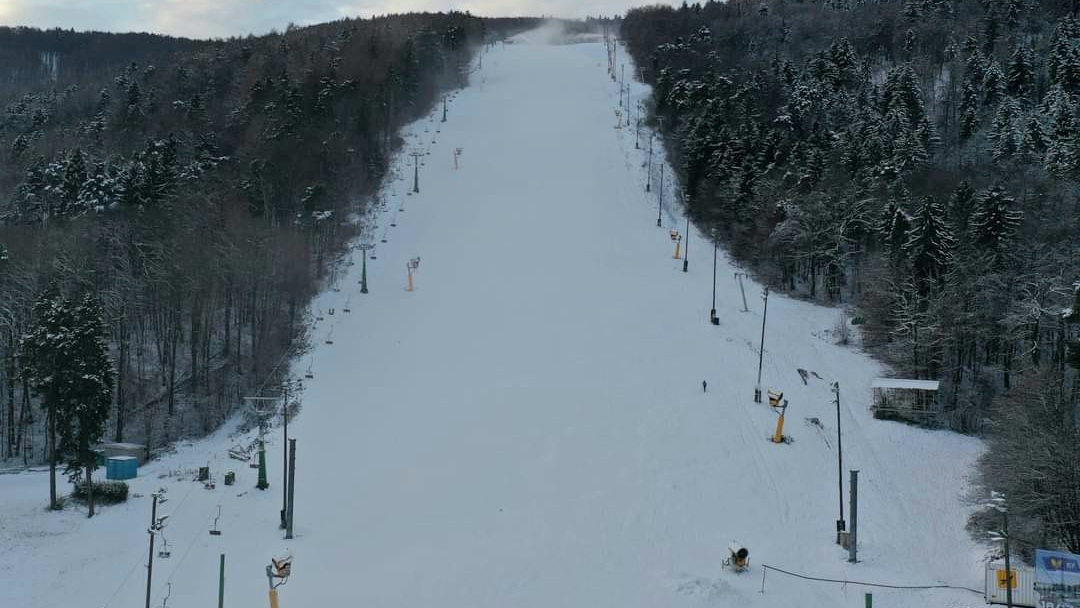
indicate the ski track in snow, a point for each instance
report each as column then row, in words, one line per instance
column 527, row 428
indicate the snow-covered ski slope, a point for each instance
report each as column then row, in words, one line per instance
column 528, row 427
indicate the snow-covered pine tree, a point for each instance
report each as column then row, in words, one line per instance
column 961, row 206
column 1005, row 133
column 993, row 84
column 42, row 352
column 1020, row 74
column 995, row 223
column 66, row 359
column 1060, row 149
column 85, row 410
column 74, row 176
column 931, row 242
column 1034, row 143
column 969, row 111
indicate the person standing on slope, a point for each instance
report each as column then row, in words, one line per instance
column 704, row 386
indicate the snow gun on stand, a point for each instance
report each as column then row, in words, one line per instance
column 279, row 568
column 738, row 557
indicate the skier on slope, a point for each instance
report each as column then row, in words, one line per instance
column 704, row 386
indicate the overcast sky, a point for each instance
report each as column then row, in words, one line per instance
column 219, row 18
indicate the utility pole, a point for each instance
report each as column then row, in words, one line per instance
column 153, row 532
column 416, row 171
column 686, row 248
column 221, row 583
column 292, row 487
column 840, row 526
column 285, row 457
column 761, row 353
column 648, row 172
column 1008, row 564
column 853, row 537
column 614, row 56
column 712, row 313
column 997, row 502
column 660, row 198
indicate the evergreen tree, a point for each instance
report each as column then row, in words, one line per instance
column 969, row 111
column 73, row 179
column 961, row 206
column 1004, row 133
column 43, row 351
column 995, row 224
column 993, row 84
column 66, row 361
column 1060, row 155
column 81, row 420
column 895, row 230
column 1020, row 75
column 1034, row 144
column 930, row 244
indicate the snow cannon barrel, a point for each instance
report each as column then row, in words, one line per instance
column 740, row 556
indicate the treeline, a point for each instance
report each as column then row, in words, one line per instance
column 917, row 160
column 201, row 191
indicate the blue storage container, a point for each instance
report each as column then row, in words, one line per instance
column 121, row 467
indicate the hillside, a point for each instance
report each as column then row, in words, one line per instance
column 913, row 161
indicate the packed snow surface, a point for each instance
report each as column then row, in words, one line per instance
column 528, row 427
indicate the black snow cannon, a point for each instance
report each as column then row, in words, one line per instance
column 739, row 557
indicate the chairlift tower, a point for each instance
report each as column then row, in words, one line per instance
column 416, row 171
column 262, row 406
column 364, row 247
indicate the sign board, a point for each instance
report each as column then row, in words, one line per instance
column 1001, row 579
column 1057, row 579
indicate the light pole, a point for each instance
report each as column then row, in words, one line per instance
column 444, row 108
column 153, row 529
column 686, row 248
column 712, row 313
column 660, row 197
column 997, row 502
column 761, row 352
column 648, row 172
column 285, row 455
column 840, row 525
column 364, row 247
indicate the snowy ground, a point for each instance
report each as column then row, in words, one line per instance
column 528, row 427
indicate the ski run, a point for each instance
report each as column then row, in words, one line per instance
column 528, row 427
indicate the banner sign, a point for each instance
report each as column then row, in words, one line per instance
column 1057, row 579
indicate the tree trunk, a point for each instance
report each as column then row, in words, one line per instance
column 11, row 451
column 121, row 378
column 90, row 487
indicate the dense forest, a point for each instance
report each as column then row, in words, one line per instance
column 192, row 195
column 917, row 162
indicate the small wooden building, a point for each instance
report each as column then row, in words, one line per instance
column 905, row 400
